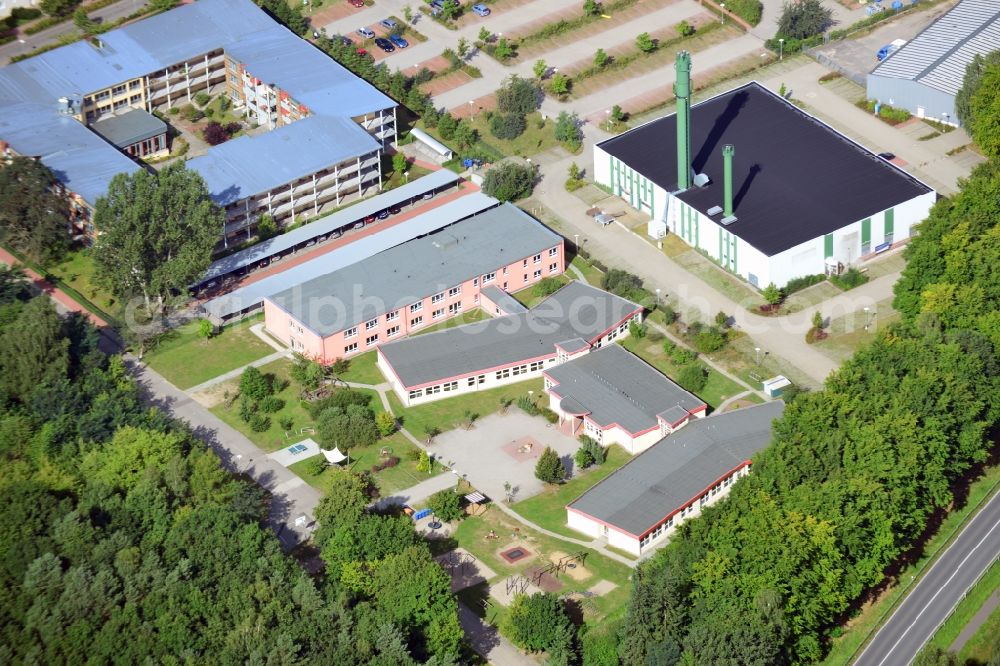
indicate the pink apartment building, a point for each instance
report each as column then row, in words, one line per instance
column 414, row 285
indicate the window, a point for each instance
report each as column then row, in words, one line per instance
column 392, row 316
column 134, row 84
column 431, row 390
column 121, row 104
column 525, row 278
column 525, row 263
column 455, row 308
column 416, row 321
column 505, row 271
column 369, row 325
column 351, row 332
column 437, row 314
column 101, row 96
column 536, row 366
column 503, row 374
column 450, row 386
column 455, row 291
column 553, row 267
column 371, row 339
column 135, row 99
column 553, row 251
column 416, row 394
column 437, row 298
column 417, row 307
column 471, row 381
column 537, row 259
column 392, row 331
column 118, row 90
column 353, row 347
column 537, row 274
column 489, row 277
column 475, row 282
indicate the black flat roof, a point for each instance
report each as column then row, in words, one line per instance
column 794, row 178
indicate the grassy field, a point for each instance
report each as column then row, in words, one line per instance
column 548, row 509
column 186, row 359
column 968, row 607
column 538, row 136
column 274, row 437
column 590, row 274
column 467, row 317
column 872, row 614
column 847, row 333
column 984, row 643
column 530, row 299
column 390, row 480
column 717, row 388
column 448, row 413
column 362, row 369
column 79, row 271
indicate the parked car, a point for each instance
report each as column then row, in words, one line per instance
column 399, row 41
column 357, row 3
column 427, row 195
column 358, row 225
column 395, row 210
column 389, row 24
column 383, row 215
column 481, row 9
column 887, row 156
column 384, row 44
column 365, row 32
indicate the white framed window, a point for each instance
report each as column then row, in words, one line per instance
column 371, row 339
column 392, row 331
column 417, row 307
column 455, row 308
column 455, row 291
column 553, row 267
column 525, row 263
column 437, row 298
column 475, row 282
column 503, row 374
column 351, row 332
column 353, row 347
column 489, row 277
column 416, row 394
column 437, row 314
column 369, row 325
column 505, row 271
column 525, row 278
column 536, row 366
column 450, row 386
column 392, row 316
column 537, row 259
column 417, row 321
column 553, row 251
column 537, row 274
column 431, row 390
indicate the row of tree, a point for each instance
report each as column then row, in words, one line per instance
column 855, row 472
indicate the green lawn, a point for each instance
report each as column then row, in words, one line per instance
column 362, row 369
column 79, row 272
column 274, row 437
column 548, row 509
column 984, row 643
column 968, row 607
column 538, row 136
column 390, row 480
column 447, row 413
column 591, row 274
column 186, row 359
column 467, row 317
column 718, row 387
column 530, row 299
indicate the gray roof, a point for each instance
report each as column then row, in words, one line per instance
column 938, row 56
column 252, row 295
column 616, row 386
column 132, row 126
column 573, row 345
column 325, row 225
column 672, row 472
column 576, row 310
column 507, row 303
column 30, row 90
column 415, row 270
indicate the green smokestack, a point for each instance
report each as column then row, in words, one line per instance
column 727, row 170
column 682, row 91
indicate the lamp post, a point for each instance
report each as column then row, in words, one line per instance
column 406, row 175
column 781, row 48
column 657, row 297
column 756, row 351
column 607, row 119
column 867, row 320
column 722, row 5
column 472, row 110
column 576, row 242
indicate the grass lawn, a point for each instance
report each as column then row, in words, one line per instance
column 867, row 621
column 186, row 359
column 968, row 607
column 592, row 275
column 274, row 437
column 714, row 275
column 471, row 535
column 362, row 369
column 530, row 299
column 467, row 317
column 548, row 509
column 538, row 136
column 389, row 481
column 79, row 272
column 393, row 179
column 448, row 413
column 847, row 333
column 984, row 643
column 717, row 388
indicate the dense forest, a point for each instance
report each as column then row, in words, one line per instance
column 125, row 541
column 855, row 472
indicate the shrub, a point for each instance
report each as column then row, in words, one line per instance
column 645, row 43
column 573, row 184
column 540, row 622
column 317, row 465
column 247, row 409
column 201, row 98
column 517, row 95
column 342, row 397
column 423, row 461
column 271, row 404
column 583, row 458
column 800, row 283
column 509, row 181
column 260, row 422
column 803, row 18
column 692, row 377
column 206, row 329
column 213, row 133
column 684, row 29
column 636, row 330
column 446, row 126
column 748, row 10
column 601, row 58
column 504, row 49
column 560, row 84
column 386, row 423
column 546, row 286
column 710, row 339
column 286, row 422
column 678, row 355
column 549, row 468
column 850, row 279
column 446, row 505
column 772, row 295
column 567, row 129
column 174, row 110
column 592, row 8
column 589, row 453
column 254, row 385
column 507, row 125
column 266, row 227
column 548, row 415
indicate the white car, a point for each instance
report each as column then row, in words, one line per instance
column 367, row 33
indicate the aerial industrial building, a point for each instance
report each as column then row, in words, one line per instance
column 759, row 185
column 321, row 128
column 924, row 75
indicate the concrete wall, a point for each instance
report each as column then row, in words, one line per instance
column 920, row 100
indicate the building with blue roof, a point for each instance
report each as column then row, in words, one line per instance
column 327, row 127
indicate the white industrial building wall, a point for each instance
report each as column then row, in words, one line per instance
column 602, row 167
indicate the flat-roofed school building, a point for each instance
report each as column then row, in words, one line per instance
column 413, row 285
column 506, row 349
column 614, row 397
column 641, row 504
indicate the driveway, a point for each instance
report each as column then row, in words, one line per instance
column 480, row 457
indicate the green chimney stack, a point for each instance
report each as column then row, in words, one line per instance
column 682, row 91
column 727, row 170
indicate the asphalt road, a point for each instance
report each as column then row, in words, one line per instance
column 28, row 43
column 930, row 603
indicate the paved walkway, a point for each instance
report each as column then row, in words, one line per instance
column 978, row 620
column 415, row 494
column 234, row 374
column 488, row 642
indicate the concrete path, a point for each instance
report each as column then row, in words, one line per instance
column 258, row 330
column 977, row 621
column 233, row 374
column 488, row 642
column 415, row 494
column 729, row 401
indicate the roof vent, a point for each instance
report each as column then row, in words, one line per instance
column 701, row 180
column 726, row 221
column 714, row 210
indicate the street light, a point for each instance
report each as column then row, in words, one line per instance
column 866, row 318
column 722, row 5
column 757, row 353
column 406, row 175
column 657, row 297
column 472, row 110
column 576, row 241
column 781, row 48
column 607, row 118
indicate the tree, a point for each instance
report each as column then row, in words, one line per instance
column 772, row 295
column 685, row 29
column 33, row 350
column 592, row 8
column 465, row 134
column 157, row 233
column 399, row 163
column 547, row 286
column 343, row 503
column 463, row 48
column 518, row 96
column 560, row 84
column 254, row 385
column 206, row 329
column 386, row 423
column 424, row 461
column 549, row 467
column 266, row 227
column 504, row 49
column 645, row 43
column 408, row 14
column 307, row 372
column 692, row 377
column 803, row 18
column 971, row 84
column 59, row 7
column 446, row 505
column 589, row 453
column 346, row 427
column 85, row 24
column 539, row 69
column 507, row 125
column 446, row 126
column 710, row 339
column 509, row 181
column 450, row 10
column 485, row 35
column 935, row 656
column 984, row 109
column 817, row 319
column 567, row 129
column 617, row 115
column 213, row 133
column 33, row 219
column 539, row 622
column 601, row 58
column 573, row 171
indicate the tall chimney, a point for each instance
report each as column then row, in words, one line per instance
column 682, row 91
column 727, row 170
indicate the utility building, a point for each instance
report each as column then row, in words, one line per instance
column 759, row 185
column 925, row 74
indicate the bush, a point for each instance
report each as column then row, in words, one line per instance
column 286, row 422
column 342, row 398
column 201, row 98
column 692, row 377
column 549, row 468
column 386, row 423
column 548, row 415
column 206, row 329
column 507, row 125
column 266, row 227
column 573, row 184
column 636, row 330
column 645, row 43
column 423, row 461
column 540, row 622
column 678, row 355
column 254, row 385
column 800, row 283
column 748, row 10
column 519, row 96
column 527, row 406
column 509, row 181
column 446, row 505
column 710, row 339
column 685, row 29
column 213, row 133
column 271, row 404
column 589, row 453
column 889, row 114
column 850, row 279
column 260, row 423
column 546, row 286
column 567, row 129
column 804, row 18
column 248, row 408
column 317, row 465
